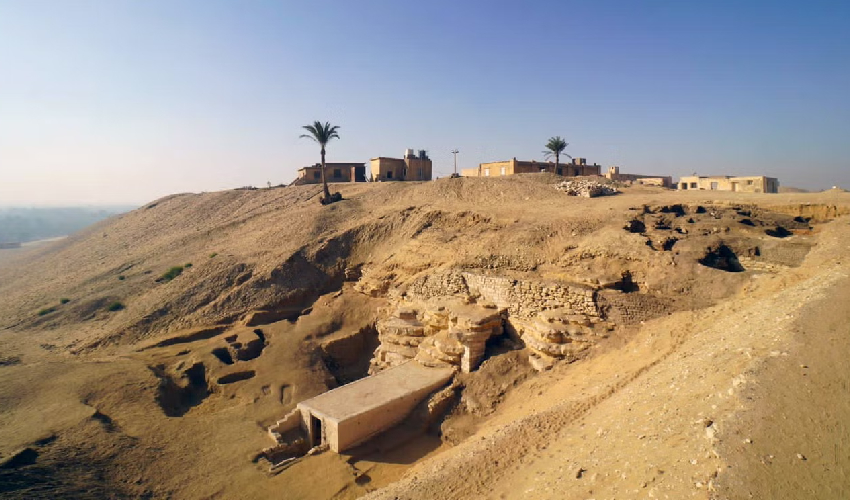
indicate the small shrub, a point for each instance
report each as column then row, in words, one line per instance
column 64, row 301
column 171, row 273
column 121, row 277
column 187, row 266
column 213, row 254
column 46, row 310
column 115, row 306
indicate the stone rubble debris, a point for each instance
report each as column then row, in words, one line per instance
column 586, row 188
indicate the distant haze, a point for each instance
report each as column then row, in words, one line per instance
column 25, row 224
column 117, row 102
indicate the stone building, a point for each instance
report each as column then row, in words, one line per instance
column 413, row 167
column 577, row 167
column 751, row 184
column 336, row 172
column 647, row 180
column 349, row 415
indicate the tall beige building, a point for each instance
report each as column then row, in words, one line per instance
column 413, row 167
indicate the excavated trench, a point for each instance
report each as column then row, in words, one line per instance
column 347, row 358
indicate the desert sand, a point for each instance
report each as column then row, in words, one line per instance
column 726, row 380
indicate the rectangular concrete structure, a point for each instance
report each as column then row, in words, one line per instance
column 748, row 184
column 353, row 413
column 576, row 167
column 410, row 168
column 336, row 172
column 647, row 180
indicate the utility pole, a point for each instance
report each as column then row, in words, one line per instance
column 455, row 152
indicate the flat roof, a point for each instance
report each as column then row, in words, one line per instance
column 328, row 164
column 726, row 177
column 376, row 390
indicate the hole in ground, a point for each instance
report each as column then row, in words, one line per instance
column 347, row 357
column 176, row 397
column 626, row 285
column 722, row 258
column 668, row 244
column 635, row 226
column 779, row 232
column 250, row 351
column 236, row 377
column 223, row 355
column 677, row 209
column 285, row 394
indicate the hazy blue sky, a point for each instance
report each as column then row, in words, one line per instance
column 115, row 101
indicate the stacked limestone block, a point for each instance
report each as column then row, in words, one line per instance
column 437, row 333
column 442, row 350
column 553, row 336
column 400, row 335
column 476, row 325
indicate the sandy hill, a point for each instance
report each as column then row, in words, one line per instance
column 122, row 376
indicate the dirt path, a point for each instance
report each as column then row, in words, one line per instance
column 792, row 440
column 650, row 420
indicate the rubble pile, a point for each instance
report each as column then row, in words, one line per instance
column 586, row 188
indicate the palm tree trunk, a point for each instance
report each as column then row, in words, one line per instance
column 324, row 177
column 557, row 161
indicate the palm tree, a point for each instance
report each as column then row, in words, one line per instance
column 322, row 134
column 555, row 147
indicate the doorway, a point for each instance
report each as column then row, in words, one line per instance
column 315, row 431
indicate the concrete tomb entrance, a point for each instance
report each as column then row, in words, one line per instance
column 353, row 413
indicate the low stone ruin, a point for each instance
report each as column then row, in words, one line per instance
column 436, row 333
column 586, row 188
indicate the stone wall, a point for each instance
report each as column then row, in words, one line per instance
column 520, row 297
column 630, row 308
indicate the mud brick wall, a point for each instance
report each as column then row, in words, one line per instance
column 630, row 308
column 786, row 254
